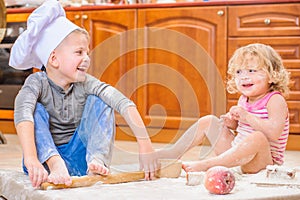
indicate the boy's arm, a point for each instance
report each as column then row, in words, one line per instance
column 36, row 171
column 147, row 159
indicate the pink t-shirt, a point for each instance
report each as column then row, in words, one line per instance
column 259, row 109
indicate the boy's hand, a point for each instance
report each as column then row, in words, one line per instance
column 148, row 163
column 36, row 171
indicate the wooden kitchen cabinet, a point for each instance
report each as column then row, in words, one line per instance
column 176, row 48
column 103, row 24
column 130, row 69
column 17, row 17
column 7, row 121
column 277, row 26
column 168, row 58
column 108, row 40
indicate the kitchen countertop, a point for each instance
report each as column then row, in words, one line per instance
column 160, row 5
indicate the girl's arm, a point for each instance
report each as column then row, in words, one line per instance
column 271, row 127
column 36, row 171
column 147, row 159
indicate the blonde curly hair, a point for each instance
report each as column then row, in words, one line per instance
column 269, row 61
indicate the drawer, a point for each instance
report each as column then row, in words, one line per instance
column 17, row 17
column 264, row 20
column 287, row 47
column 7, row 126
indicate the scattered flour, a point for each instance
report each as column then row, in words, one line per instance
column 15, row 185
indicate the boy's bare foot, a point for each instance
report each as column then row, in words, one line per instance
column 97, row 167
column 58, row 171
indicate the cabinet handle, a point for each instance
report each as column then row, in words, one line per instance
column 220, row 12
column 77, row 16
column 84, row 17
column 267, row 21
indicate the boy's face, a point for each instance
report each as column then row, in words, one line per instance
column 72, row 57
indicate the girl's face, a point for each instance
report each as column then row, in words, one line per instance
column 252, row 81
column 72, row 57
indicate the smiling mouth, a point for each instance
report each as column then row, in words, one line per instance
column 247, row 85
column 82, row 69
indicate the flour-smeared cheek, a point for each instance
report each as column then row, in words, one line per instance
column 237, row 81
column 261, row 77
column 246, row 82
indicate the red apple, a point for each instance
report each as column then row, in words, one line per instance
column 219, row 180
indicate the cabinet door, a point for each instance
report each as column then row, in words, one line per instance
column 111, row 44
column 181, row 65
column 109, row 41
column 111, row 50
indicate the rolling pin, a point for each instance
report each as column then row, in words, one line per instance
column 84, row 181
column 169, row 168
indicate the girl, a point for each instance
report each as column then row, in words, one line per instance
column 260, row 119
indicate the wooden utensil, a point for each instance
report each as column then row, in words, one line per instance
column 169, row 168
column 85, row 181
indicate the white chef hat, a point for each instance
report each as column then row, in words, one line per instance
column 47, row 26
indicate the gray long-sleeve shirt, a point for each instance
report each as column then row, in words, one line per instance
column 65, row 108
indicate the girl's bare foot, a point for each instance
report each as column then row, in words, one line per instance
column 97, row 167
column 58, row 171
column 195, row 166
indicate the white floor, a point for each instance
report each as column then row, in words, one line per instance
column 15, row 185
column 124, row 153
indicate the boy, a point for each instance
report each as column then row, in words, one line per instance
column 63, row 116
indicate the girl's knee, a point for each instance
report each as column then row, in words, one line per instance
column 209, row 119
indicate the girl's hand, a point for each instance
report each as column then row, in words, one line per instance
column 36, row 171
column 228, row 121
column 238, row 113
